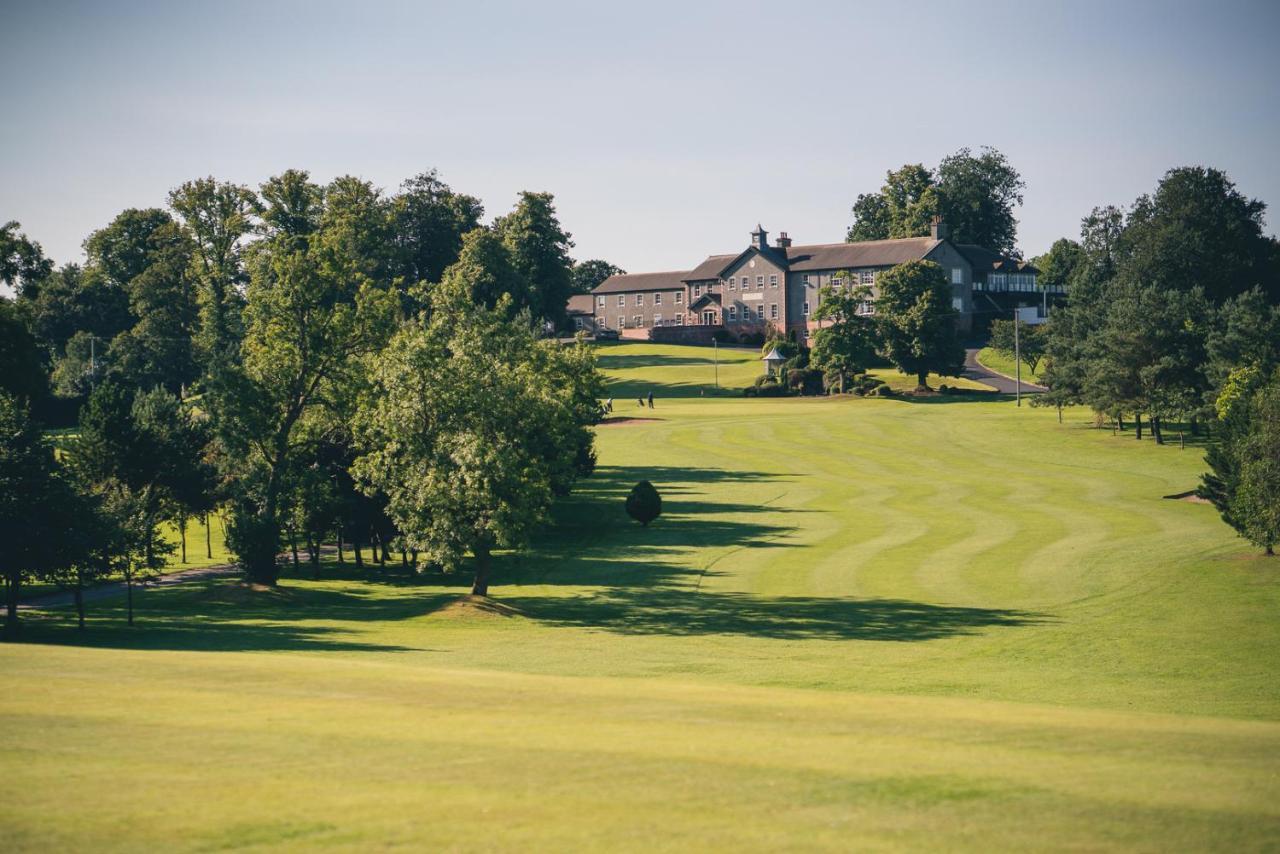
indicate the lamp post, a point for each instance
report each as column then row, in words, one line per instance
column 1017, row 361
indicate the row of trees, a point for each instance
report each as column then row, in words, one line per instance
column 1170, row 303
column 314, row 360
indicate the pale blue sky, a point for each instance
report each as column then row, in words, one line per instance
column 665, row 130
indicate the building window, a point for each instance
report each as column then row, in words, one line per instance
column 622, row 322
column 622, row 300
column 697, row 290
column 957, row 276
column 600, row 302
column 639, row 299
column 957, row 303
column 679, row 320
column 759, row 281
column 657, row 299
column 773, row 280
column 806, row 280
column 637, row 321
column 773, row 311
column 733, row 312
column 657, row 319
column 837, row 283
column 577, row 323
column 805, row 310
column 679, row 297
column 733, row 283
column 867, row 277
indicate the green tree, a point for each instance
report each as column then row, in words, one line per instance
column 1030, row 344
column 311, row 316
column 977, row 194
column 540, row 252
column 1243, row 480
column 643, row 503
column 428, row 221
column 588, row 274
column 23, row 265
column 40, row 510
column 1058, row 266
column 870, row 218
column 844, row 348
column 218, row 216
column 22, row 371
column 485, row 273
column 146, row 449
column 917, row 323
column 485, row 432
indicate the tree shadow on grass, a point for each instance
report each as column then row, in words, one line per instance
column 692, row 613
column 221, row 615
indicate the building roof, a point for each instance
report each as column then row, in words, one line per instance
column 582, row 304
column 628, row 282
column 704, row 300
column 710, row 268
column 988, row 260
column 866, row 253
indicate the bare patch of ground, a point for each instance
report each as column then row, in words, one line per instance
column 477, row 606
column 1189, row 495
column 623, row 420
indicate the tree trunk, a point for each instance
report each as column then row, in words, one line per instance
column 79, row 597
column 1156, row 433
column 1059, row 413
column 1195, row 426
column 341, row 558
column 11, row 585
column 128, row 586
column 208, row 538
column 1120, row 421
column 480, row 587
column 1137, row 425
column 922, row 381
column 404, row 559
column 293, row 546
column 358, row 547
column 1270, row 552
column 182, row 525
column 313, row 553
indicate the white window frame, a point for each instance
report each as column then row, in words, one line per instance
column 733, row 283
column 806, row 280
column 639, row 299
column 773, row 311
column 622, row 300
column 732, row 313
column 657, row 319
column 759, row 281
column 657, row 298
column 957, row 276
column 867, row 277
column 622, row 321
column 773, row 280
column 805, row 311
column 679, row 298
column 679, row 320
column 637, row 321
column 600, row 302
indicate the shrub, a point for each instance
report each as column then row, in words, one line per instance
column 723, row 336
column 644, row 504
column 805, row 380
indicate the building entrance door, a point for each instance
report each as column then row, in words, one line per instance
column 708, row 318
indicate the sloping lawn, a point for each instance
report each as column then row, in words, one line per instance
column 859, row 624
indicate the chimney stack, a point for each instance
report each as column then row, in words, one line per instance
column 784, row 242
column 938, row 229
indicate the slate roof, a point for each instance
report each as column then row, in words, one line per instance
column 705, row 300
column 987, row 260
column 710, row 268
column 630, row 282
column 867, row 253
column 582, row 304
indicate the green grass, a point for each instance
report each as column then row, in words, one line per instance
column 860, row 623
column 1000, row 363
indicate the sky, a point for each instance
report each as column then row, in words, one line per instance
column 665, row 130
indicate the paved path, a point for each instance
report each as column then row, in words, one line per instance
column 1001, row 383
column 117, row 588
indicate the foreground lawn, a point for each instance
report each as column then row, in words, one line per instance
column 937, row 624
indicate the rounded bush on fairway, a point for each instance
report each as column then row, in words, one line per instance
column 644, row 504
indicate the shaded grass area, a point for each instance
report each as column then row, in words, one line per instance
column 1003, row 364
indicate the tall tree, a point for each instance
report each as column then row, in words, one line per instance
column 428, row 221
column 540, row 251
column 219, row 216
column 485, row 273
column 917, row 322
column 40, row 510
column 312, row 314
column 1058, row 266
column 588, row 274
column 870, row 218
column 22, row 370
column 977, row 195
column 1243, row 480
column 488, row 430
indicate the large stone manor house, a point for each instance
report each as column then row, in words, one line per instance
column 777, row 286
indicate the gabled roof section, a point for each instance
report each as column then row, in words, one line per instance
column 628, row 282
column 710, row 268
column 704, row 301
column 989, row 261
column 866, row 253
column 582, row 304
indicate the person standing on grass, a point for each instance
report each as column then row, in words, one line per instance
column 651, row 400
